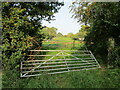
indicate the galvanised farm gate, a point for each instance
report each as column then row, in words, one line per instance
column 42, row 62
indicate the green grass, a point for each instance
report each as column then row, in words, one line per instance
column 99, row 78
column 62, row 43
column 82, row 79
column 63, row 39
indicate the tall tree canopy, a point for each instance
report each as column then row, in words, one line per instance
column 59, row 34
column 49, row 33
column 85, row 29
column 101, row 16
column 21, row 23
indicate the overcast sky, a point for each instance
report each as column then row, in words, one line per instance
column 64, row 23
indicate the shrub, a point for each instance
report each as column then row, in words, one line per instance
column 115, row 57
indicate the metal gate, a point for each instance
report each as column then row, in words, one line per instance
column 57, row 61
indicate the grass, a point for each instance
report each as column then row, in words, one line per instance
column 63, row 39
column 99, row 78
column 63, row 43
column 82, row 79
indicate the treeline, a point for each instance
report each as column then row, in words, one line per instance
column 103, row 37
column 50, row 33
column 81, row 34
column 22, row 29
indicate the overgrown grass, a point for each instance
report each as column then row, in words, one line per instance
column 104, row 78
column 100, row 78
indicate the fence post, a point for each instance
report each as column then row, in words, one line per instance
column 57, row 44
column 73, row 43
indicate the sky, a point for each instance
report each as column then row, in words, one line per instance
column 64, row 23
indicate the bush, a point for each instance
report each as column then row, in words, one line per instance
column 115, row 57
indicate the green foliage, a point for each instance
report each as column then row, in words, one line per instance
column 96, row 79
column 14, row 36
column 81, row 79
column 21, row 22
column 70, row 35
column 115, row 57
column 101, row 16
column 59, row 34
column 44, row 82
column 0, row 80
column 49, row 33
column 101, row 78
column 85, row 29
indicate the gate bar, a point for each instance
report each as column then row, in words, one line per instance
column 57, row 69
column 88, row 59
column 41, row 64
column 59, row 72
column 62, row 50
column 57, row 62
column 62, row 55
column 60, row 65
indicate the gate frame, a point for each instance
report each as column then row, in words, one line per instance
column 60, row 51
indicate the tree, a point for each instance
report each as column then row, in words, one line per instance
column 49, row 33
column 103, row 23
column 85, row 29
column 59, row 34
column 21, row 23
column 70, row 35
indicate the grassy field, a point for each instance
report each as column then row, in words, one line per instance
column 62, row 43
column 99, row 78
